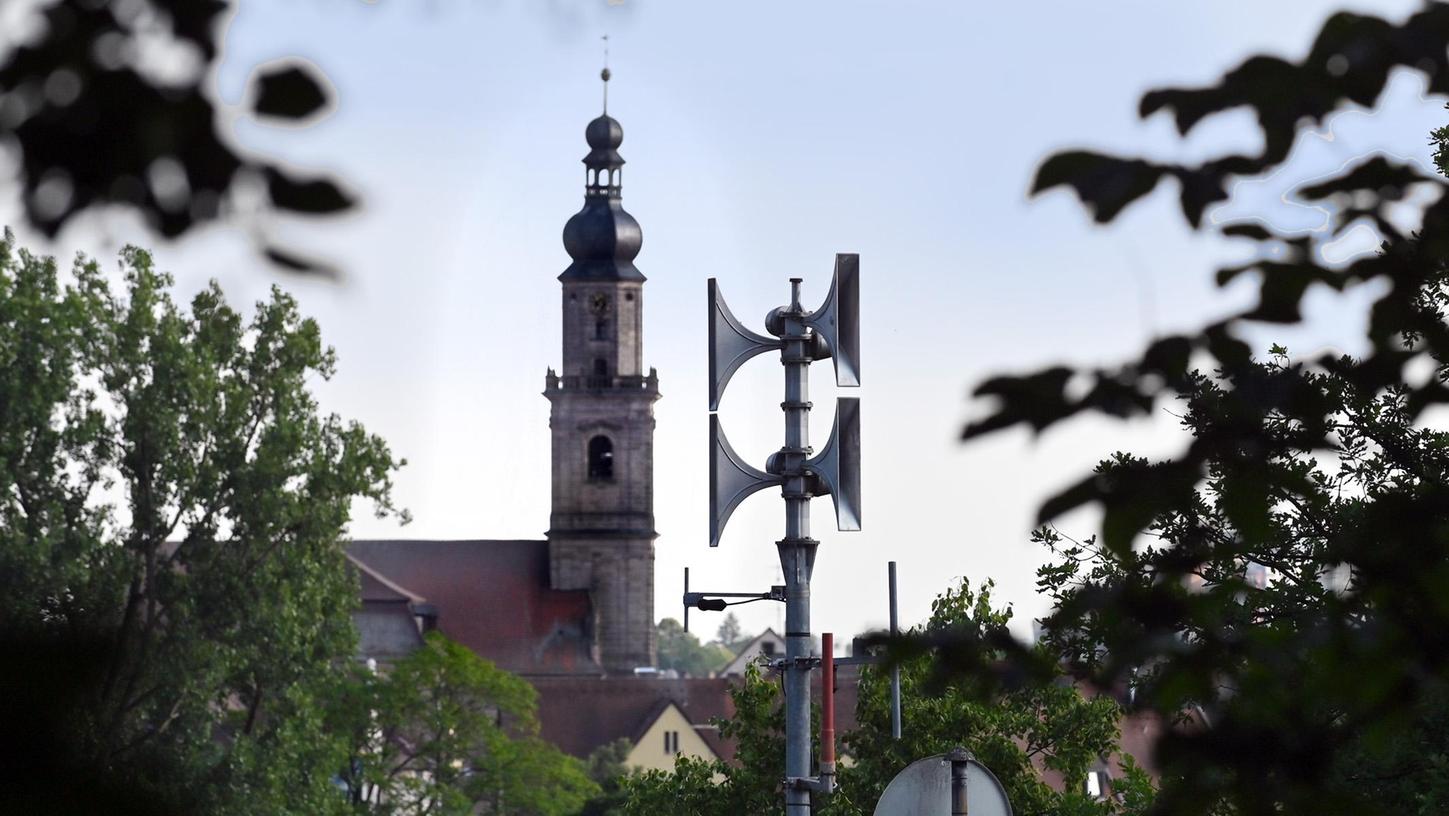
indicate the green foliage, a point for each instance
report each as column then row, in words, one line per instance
column 729, row 634
column 1051, row 724
column 1307, row 696
column 172, row 507
column 1322, row 669
column 681, row 651
column 705, row 788
column 443, row 731
column 605, row 766
column 150, row 120
column 170, row 494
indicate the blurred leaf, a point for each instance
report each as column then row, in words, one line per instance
column 313, row 196
column 288, row 92
column 1105, row 184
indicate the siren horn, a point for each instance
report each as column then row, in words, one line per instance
column 838, row 464
column 730, row 345
column 731, row 480
column 837, row 320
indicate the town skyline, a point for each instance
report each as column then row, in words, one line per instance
column 446, row 317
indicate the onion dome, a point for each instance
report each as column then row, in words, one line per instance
column 604, row 135
column 602, row 238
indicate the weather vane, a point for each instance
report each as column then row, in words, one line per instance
column 605, row 74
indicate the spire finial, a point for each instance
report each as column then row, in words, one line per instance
column 604, row 74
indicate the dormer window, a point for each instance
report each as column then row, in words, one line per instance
column 601, row 459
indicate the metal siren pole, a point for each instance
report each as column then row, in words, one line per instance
column 801, row 337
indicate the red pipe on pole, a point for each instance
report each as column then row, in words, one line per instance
column 827, row 703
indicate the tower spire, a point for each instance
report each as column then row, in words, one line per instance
column 605, row 74
column 602, row 238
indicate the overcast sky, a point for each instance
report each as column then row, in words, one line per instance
column 761, row 139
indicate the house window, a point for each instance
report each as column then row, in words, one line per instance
column 767, row 648
column 671, row 742
column 601, row 459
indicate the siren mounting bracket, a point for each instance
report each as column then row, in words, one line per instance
column 715, row 601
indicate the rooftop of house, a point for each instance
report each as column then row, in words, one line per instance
column 491, row 596
column 579, row 714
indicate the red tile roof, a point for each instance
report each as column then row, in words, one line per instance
column 376, row 588
column 493, row 597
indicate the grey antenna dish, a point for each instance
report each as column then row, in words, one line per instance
column 837, row 321
column 924, row 789
column 838, row 464
column 731, row 480
column 730, row 344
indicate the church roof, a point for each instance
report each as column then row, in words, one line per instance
column 376, row 588
column 493, row 597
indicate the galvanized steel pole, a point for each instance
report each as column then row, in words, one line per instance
column 960, row 760
column 797, row 553
column 895, row 670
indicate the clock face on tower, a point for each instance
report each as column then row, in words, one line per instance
column 599, row 304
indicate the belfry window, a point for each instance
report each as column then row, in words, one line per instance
column 601, row 459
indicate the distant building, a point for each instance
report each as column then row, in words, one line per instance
column 572, row 613
column 765, row 645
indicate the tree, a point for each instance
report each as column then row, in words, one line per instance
column 681, row 651
column 730, row 635
column 444, row 731
column 1289, row 688
column 172, row 505
column 85, row 77
column 606, row 766
column 1048, row 725
column 1305, row 654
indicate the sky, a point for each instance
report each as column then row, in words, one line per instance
column 761, row 139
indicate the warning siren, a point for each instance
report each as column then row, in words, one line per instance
column 837, row 468
column 837, row 320
column 731, row 480
column 730, row 345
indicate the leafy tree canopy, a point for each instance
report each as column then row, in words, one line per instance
column 91, row 72
column 1295, row 578
column 729, row 634
column 172, row 513
column 171, row 509
column 444, row 731
column 1320, row 692
column 1017, row 734
column 681, row 651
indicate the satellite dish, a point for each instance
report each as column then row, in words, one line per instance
column 924, row 789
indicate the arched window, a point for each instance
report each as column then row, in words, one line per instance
column 601, row 459
column 601, row 330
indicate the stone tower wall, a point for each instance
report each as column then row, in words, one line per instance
column 621, row 342
column 601, row 530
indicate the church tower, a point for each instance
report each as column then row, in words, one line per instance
column 601, row 530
